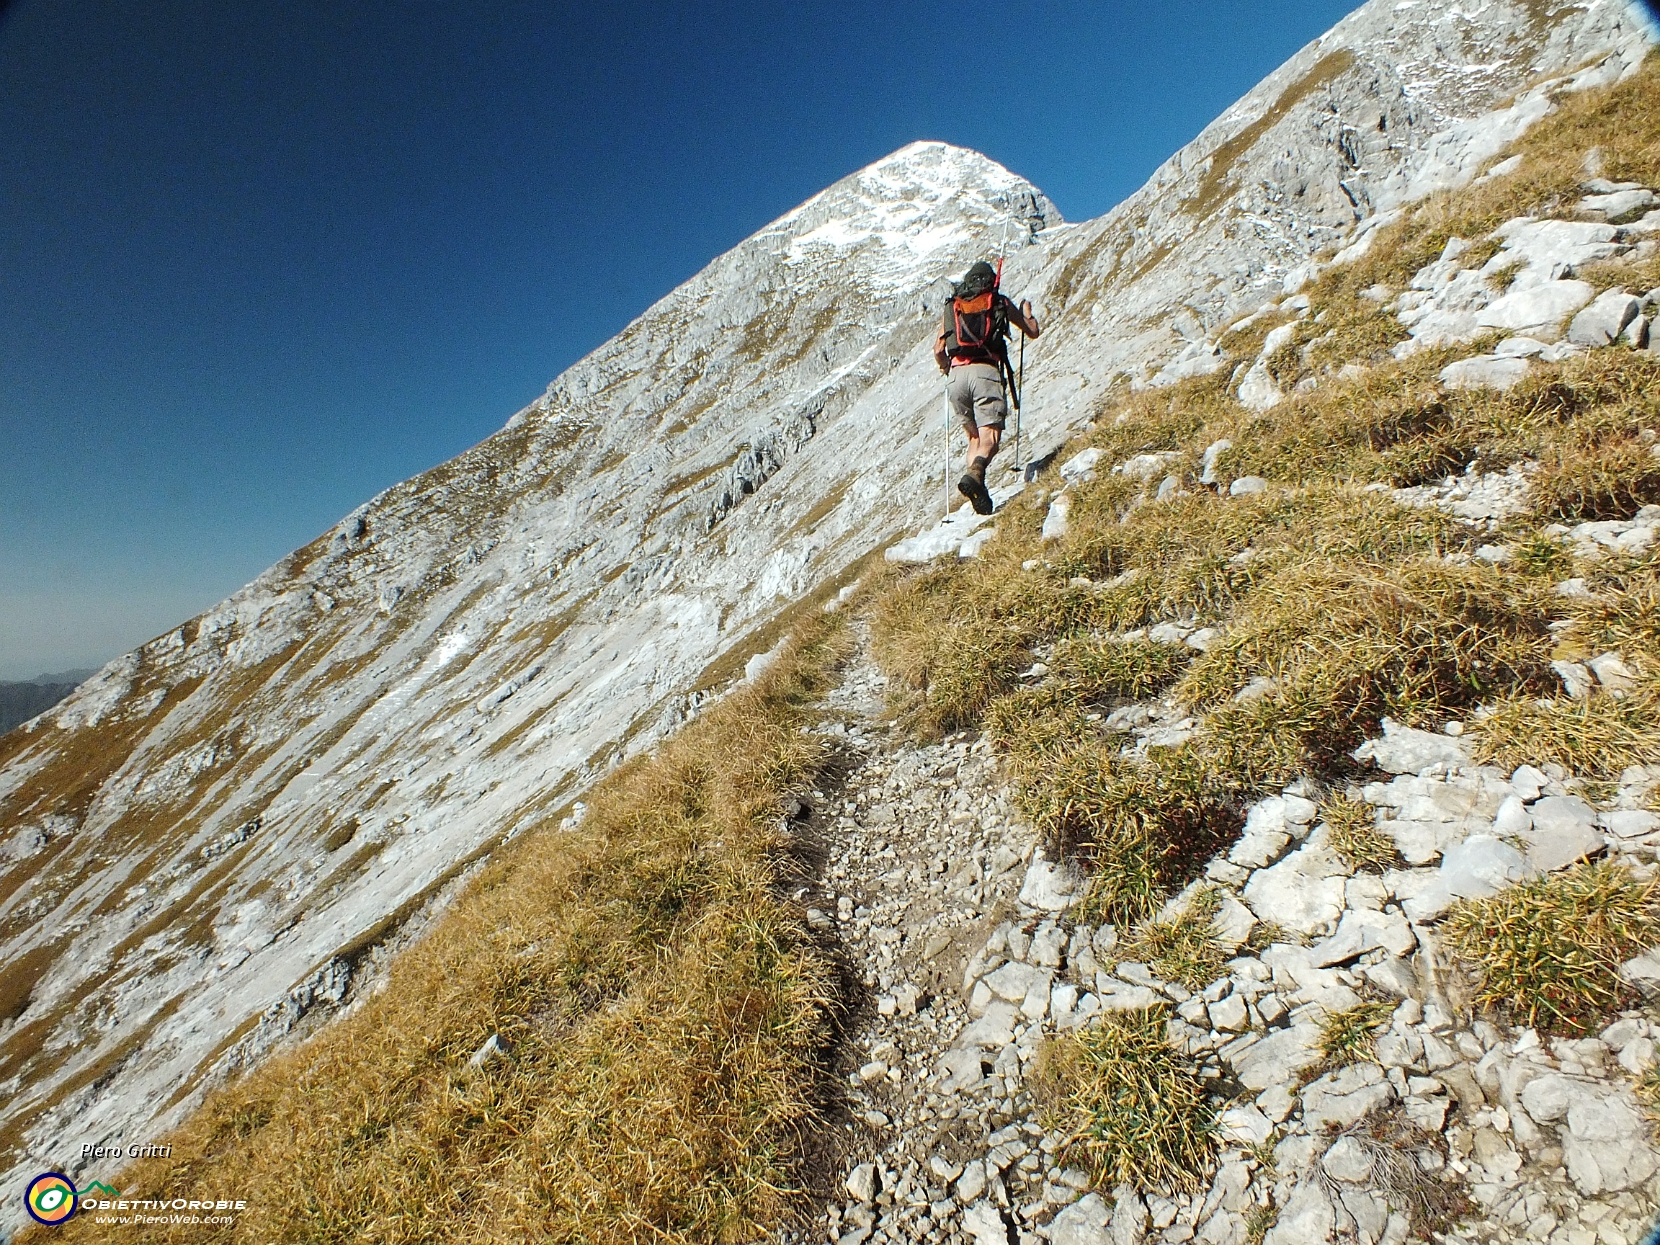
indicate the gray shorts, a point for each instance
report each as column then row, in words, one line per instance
column 976, row 394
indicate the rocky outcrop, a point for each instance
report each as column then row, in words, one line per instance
column 967, row 941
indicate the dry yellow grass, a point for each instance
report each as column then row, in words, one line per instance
column 1186, row 947
column 1353, row 834
column 664, row 1011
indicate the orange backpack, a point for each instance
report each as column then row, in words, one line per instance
column 978, row 329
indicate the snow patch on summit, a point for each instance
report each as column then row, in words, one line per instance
column 916, row 203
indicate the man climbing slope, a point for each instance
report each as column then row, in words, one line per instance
column 972, row 349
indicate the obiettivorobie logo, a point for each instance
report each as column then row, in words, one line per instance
column 51, row 1198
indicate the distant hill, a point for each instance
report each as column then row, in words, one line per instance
column 21, row 701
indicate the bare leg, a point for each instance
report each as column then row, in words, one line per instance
column 983, row 444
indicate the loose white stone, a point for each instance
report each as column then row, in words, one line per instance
column 1405, row 750
column 1056, row 520
column 862, row 1182
column 972, row 1183
column 1303, row 892
column 1613, row 673
column 1229, row 1014
column 1014, row 981
column 1280, row 1055
column 1604, row 319
column 1082, row 1223
column 1564, row 830
column 1536, row 310
column 1348, row 1160
column 1342, row 1097
column 1244, row 1125
column 1362, row 931
column 1629, row 823
column 1051, row 887
column 945, row 1171
column 1512, row 818
column 961, row 1068
column 1480, row 866
column 1080, row 468
column 1528, row 782
column 995, row 1029
column 1484, row 372
column 1129, row 1216
column 1606, row 1146
column 1307, row 1217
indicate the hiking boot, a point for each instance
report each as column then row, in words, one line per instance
column 975, row 491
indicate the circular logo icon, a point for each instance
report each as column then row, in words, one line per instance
column 51, row 1198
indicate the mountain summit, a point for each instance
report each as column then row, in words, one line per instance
column 216, row 841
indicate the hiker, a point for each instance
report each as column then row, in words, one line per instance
column 972, row 349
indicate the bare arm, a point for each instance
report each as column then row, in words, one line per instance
column 939, row 352
column 1024, row 318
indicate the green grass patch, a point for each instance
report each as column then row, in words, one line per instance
column 1347, row 1036
column 1129, row 1106
column 1144, row 825
column 1352, row 831
column 1549, row 950
column 1184, row 949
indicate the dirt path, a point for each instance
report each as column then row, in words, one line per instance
column 926, row 857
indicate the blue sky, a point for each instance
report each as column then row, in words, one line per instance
column 258, row 262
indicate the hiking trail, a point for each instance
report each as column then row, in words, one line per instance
column 925, row 855
column 942, row 901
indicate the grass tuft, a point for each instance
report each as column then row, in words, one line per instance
column 1145, row 825
column 1132, row 669
column 1257, row 1222
column 1185, row 948
column 1549, row 950
column 1352, row 831
column 1647, row 1090
column 1596, row 736
column 1131, row 1109
column 1265, row 934
column 1348, row 645
column 1347, row 1036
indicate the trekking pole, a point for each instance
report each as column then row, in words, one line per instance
column 1019, row 389
column 948, row 445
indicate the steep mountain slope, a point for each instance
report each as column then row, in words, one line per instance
column 206, row 840
column 210, row 833
column 1396, row 102
column 1318, row 700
